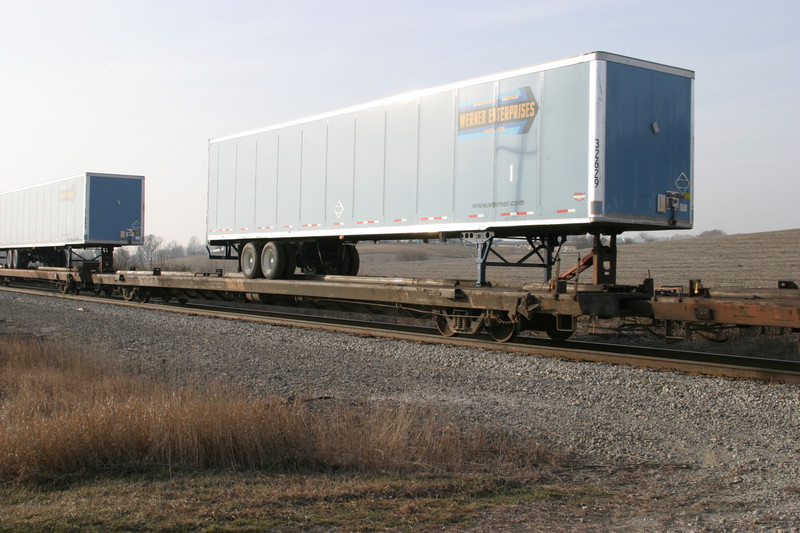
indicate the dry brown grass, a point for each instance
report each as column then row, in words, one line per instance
column 67, row 414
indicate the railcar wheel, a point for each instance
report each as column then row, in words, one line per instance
column 444, row 326
column 128, row 293
column 69, row 286
column 273, row 260
column 503, row 332
column 250, row 260
column 103, row 289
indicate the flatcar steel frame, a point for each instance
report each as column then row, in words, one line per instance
column 456, row 307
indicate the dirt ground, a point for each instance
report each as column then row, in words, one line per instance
column 744, row 260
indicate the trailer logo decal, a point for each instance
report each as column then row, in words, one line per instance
column 490, row 205
column 511, row 113
column 66, row 194
column 338, row 209
column 682, row 183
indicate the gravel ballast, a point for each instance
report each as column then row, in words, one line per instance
column 688, row 453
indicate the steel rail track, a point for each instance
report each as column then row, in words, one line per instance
column 706, row 363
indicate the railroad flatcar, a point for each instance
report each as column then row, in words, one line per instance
column 45, row 223
column 598, row 143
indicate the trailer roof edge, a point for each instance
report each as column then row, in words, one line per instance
column 591, row 56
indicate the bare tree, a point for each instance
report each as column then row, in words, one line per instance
column 171, row 250
column 146, row 253
column 195, row 246
column 123, row 257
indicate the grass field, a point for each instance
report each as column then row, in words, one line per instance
column 86, row 444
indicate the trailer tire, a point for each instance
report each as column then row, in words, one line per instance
column 353, row 260
column 273, row 260
column 250, row 260
column 290, row 260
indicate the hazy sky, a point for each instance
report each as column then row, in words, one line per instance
column 138, row 87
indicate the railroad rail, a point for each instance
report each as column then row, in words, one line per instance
column 712, row 364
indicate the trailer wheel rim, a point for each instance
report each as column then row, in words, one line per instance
column 249, row 260
column 273, row 260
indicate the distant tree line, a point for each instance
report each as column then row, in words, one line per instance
column 649, row 237
column 586, row 241
column 153, row 251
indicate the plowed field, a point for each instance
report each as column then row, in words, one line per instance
column 743, row 260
